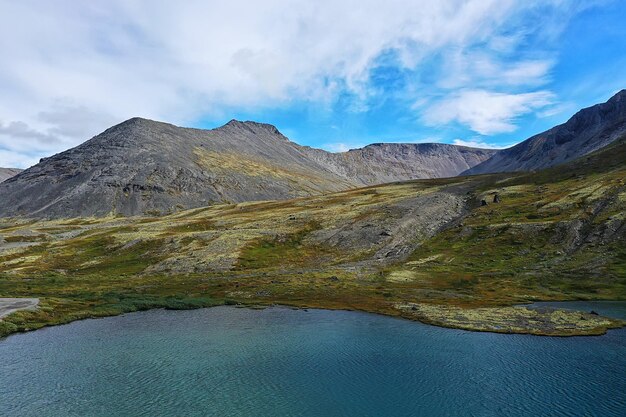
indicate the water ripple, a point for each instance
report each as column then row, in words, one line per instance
column 280, row 362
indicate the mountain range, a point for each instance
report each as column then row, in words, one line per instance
column 465, row 251
column 426, row 250
column 143, row 167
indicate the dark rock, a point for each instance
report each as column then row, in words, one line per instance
column 594, row 313
column 483, row 203
column 496, row 198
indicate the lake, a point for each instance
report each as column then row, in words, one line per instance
column 228, row 361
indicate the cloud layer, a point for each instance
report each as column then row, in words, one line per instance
column 70, row 69
column 486, row 112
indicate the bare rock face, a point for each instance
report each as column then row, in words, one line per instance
column 6, row 173
column 146, row 167
column 381, row 163
column 588, row 130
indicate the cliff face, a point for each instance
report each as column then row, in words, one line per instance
column 588, row 130
column 142, row 166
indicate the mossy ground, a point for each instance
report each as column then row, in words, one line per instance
column 554, row 235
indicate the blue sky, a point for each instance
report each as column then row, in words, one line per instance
column 330, row 74
column 589, row 66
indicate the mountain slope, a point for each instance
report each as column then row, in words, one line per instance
column 588, row 130
column 6, row 173
column 381, row 163
column 425, row 249
column 142, row 166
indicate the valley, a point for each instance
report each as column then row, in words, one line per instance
column 313, row 209
column 427, row 250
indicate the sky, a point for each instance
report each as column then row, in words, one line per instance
column 334, row 74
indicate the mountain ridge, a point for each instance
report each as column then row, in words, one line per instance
column 425, row 250
column 142, row 166
column 586, row 131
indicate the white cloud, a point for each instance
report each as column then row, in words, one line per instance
column 20, row 130
column 478, row 143
column 486, row 112
column 558, row 109
column 341, row 147
column 526, row 72
column 71, row 68
column 16, row 159
column 347, row 145
column 484, row 69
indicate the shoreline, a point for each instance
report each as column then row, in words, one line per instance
column 399, row 311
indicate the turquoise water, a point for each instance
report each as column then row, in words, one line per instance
column 226, row 361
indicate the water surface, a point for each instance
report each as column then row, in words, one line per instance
column 226, row 361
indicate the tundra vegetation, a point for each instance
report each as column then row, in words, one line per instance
column 426, row 250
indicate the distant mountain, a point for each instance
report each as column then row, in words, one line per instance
column 142, row 166
column 381, row 163
column 6, row 173
column 588, row 130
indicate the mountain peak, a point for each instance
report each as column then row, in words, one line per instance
column 254, row 127
column 619, row 96
column 135, row 124
column 141, row 121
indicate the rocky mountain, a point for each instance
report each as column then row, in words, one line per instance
column 6, row 173
column 146, row 167
column 426, row 249
column 588, row 130
column 381, row 163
